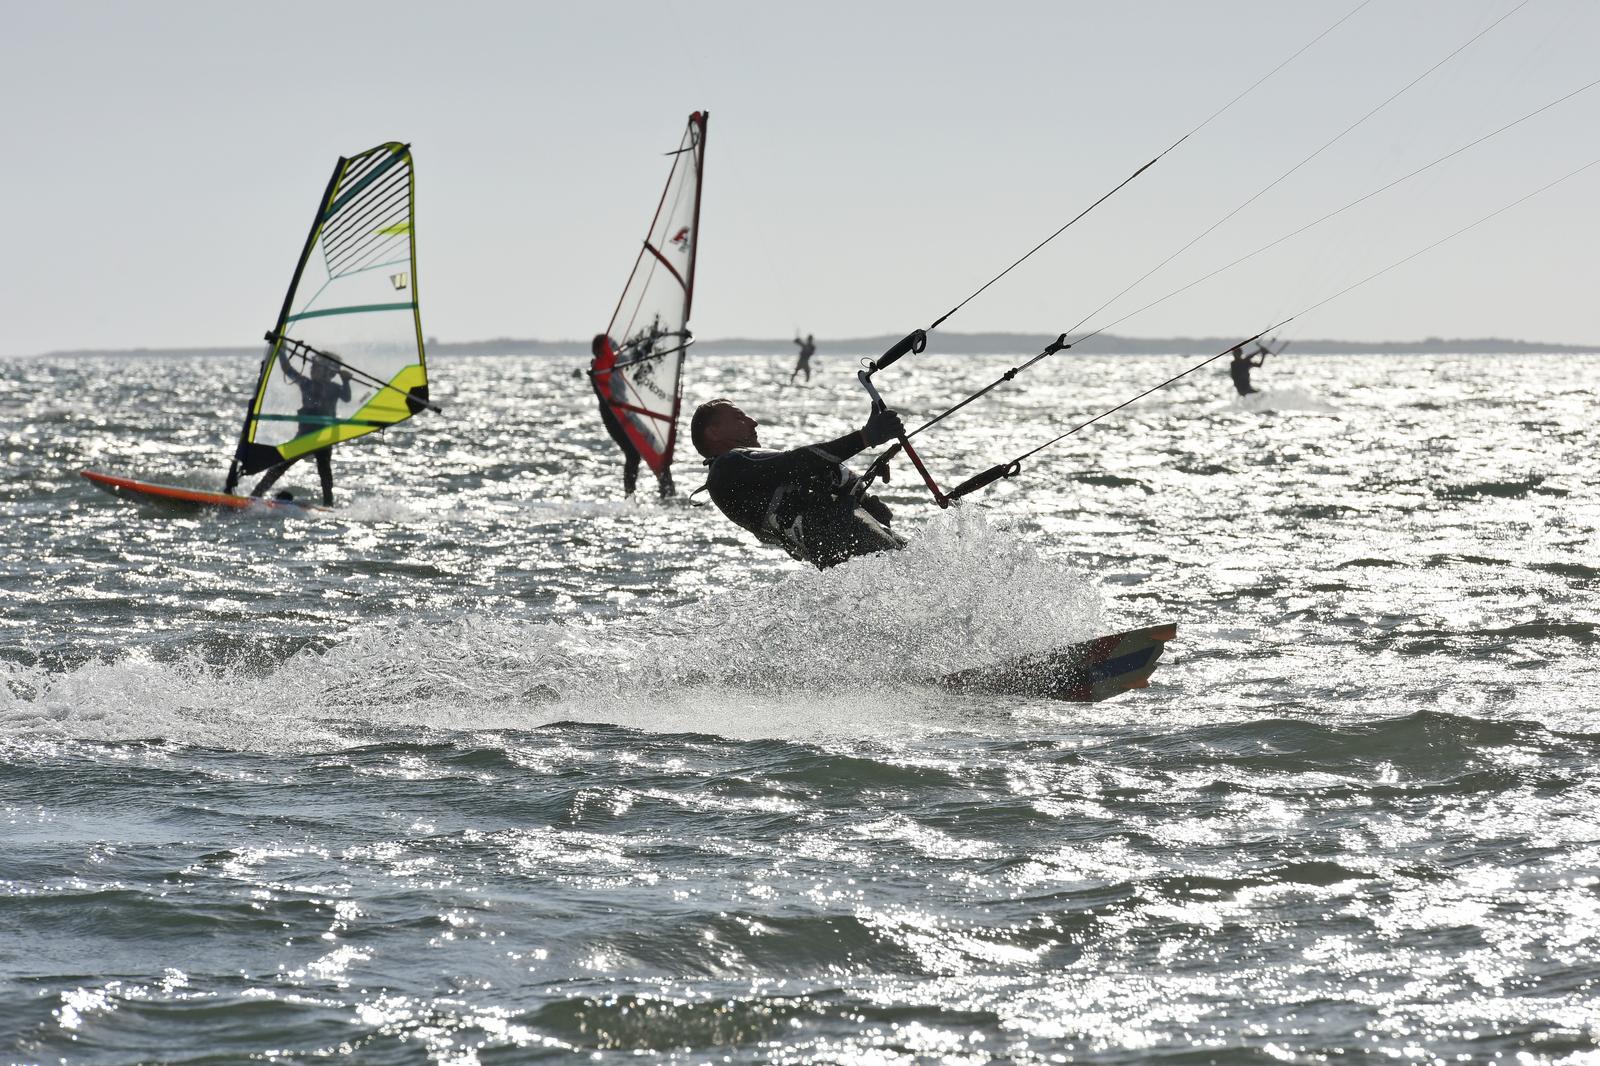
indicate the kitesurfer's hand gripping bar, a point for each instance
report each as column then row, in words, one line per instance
column 913, row 342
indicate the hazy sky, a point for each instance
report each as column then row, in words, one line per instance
column 868, row 164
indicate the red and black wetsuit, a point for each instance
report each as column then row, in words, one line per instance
column 608, row 418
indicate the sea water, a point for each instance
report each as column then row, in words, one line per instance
column 491, row 765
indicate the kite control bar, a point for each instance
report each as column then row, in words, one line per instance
column 301, row 348
column 911, row 343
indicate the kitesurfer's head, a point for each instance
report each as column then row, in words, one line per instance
column 718, row 427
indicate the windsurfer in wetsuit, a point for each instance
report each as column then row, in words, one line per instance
column 320, row 398
column 808, row 348
column 1242, row 364
column 600, row 347
column 805, row 500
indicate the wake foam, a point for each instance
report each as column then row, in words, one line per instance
column 833, row 652
column 1283, row 400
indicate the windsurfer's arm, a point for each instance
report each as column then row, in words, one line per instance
column 288, row 371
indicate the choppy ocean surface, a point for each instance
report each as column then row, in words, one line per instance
column 490, row 766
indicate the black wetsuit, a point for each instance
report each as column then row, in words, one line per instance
column 1240, row 369
column 806, row 501
column 807, row 350
column 320, row 398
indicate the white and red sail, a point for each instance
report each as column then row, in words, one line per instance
column 638, row 370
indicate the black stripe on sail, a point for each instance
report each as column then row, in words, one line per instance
column 362, row 164
column 352, row 226
column 341, row 260
column 361, row 248
column 377, row 197
column 357, row 188
column 392, row 252
column 254, row 458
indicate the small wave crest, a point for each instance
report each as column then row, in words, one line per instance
column 1283, row 400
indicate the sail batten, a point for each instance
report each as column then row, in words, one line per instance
column 346, row 357
column 639, row 372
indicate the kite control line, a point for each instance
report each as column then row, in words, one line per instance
column 1013, row 466
column 916, row 341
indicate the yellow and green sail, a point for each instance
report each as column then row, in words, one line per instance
column 346, row 356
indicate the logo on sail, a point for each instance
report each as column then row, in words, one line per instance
column 400, row 280
column 681, row 239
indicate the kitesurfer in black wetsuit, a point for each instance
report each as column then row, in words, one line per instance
column 1241, row 366
column 599, row 347
column 808, row 348
column 319, row 397
column 805, row 500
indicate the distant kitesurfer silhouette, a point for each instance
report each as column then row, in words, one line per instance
column 808, row 348
column 1242, row 364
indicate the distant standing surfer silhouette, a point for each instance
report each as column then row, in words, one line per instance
column 1242, row 364
column 808, row 348
column 319, row 399
column 805, row 500
column 606, row 390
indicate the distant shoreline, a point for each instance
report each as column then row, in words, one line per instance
column 1020, row 344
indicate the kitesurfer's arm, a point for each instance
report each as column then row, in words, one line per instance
column 812, row 466
column 881, row 428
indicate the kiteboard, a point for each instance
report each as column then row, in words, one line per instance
column 1079, row 673
column 181, row 498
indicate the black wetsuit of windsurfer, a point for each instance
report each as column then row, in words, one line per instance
column 805, row 500
column 320, row 396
